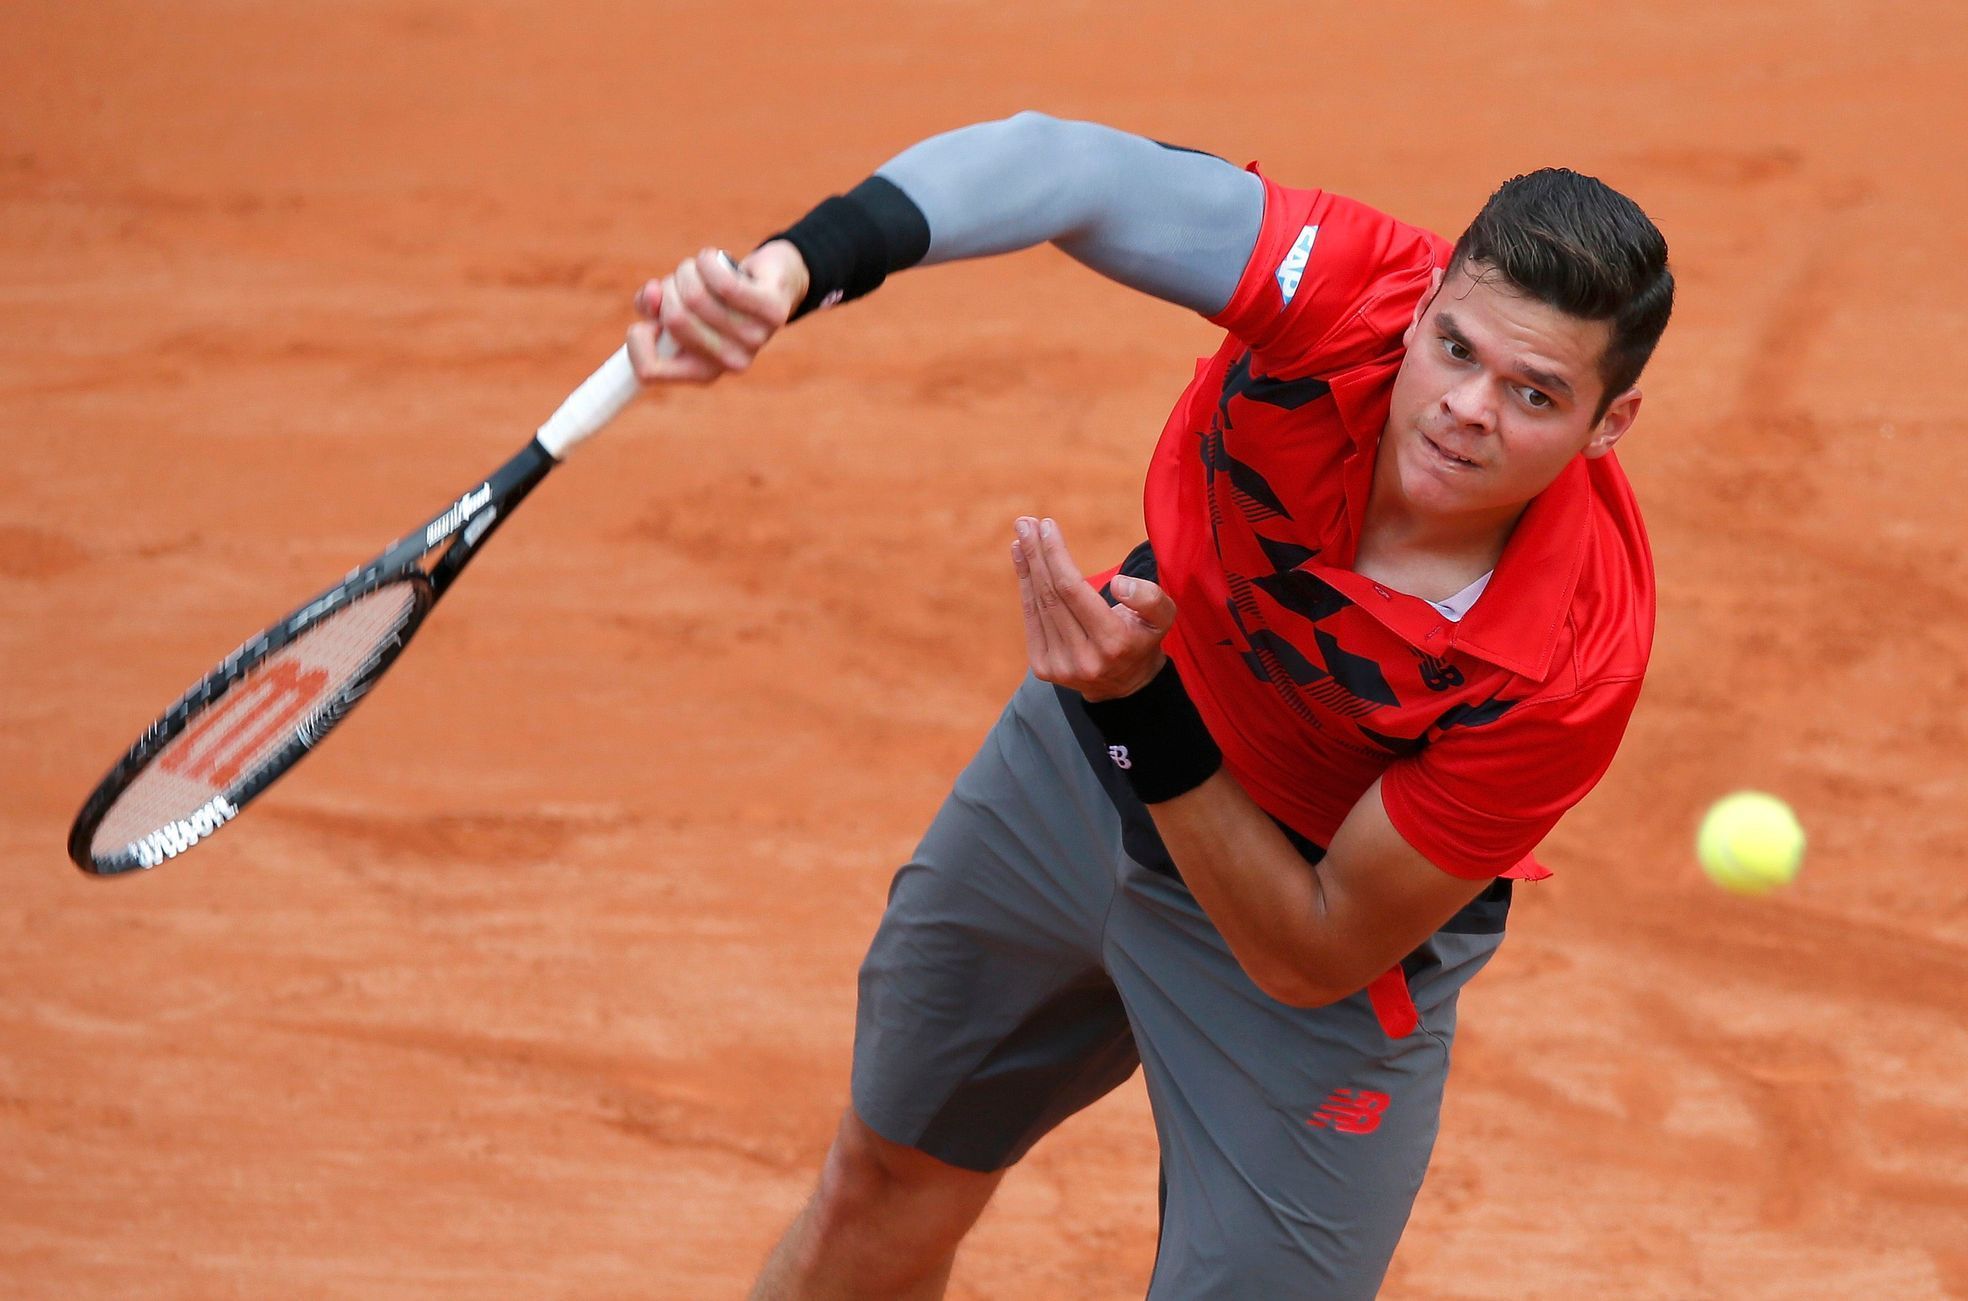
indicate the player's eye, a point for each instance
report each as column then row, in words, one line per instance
column 1455, row 349
column 1536, row 399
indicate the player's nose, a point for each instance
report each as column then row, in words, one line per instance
column 1471, row 404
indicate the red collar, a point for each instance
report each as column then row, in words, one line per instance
column 1516, row 622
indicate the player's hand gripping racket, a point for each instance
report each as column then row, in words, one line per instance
column 272, row 701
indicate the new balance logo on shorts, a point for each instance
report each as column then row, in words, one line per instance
column 1350, row 1111
column 1119, row 754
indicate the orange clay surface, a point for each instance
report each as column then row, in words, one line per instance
column 539, row 980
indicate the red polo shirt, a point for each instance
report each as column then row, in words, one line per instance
column 1315, row 680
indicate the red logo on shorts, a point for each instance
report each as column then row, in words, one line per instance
column 1350, row 1111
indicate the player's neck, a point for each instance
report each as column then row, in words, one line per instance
column 1428, row 553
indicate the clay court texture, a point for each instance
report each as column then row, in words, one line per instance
column 539, row 979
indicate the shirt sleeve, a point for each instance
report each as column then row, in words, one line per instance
column 1167, row 221
column 1478, row 800
column 1330, row 283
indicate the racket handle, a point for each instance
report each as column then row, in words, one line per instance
column 599, row 400
column 603, row 394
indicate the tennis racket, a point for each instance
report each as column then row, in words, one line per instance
column 271, row 702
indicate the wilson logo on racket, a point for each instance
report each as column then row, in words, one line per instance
column 467, row 506
column 174, row 838
column 221, row 742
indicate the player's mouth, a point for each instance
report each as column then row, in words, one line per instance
column 1448, row 458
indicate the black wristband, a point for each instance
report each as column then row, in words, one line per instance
column 854, row 241
column 1157, row 739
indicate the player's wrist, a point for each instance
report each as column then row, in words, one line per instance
column 780, row 260
column 1142, row 675
column 1156, row 737
column 850, row 243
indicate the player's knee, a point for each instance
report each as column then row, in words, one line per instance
column 866, row 1174
column 870, row 1185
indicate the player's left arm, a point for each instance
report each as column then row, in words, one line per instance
column 1306, row 934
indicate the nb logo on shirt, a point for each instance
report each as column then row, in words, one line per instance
column 1119, row 754
column 1439, row 675
column 1292, row 269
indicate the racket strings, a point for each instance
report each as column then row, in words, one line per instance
column 294, row 695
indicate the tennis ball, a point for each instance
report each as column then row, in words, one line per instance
column 1750, row 843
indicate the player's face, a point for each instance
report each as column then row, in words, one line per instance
column 1497, row 393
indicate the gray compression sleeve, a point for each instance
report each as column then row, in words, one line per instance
column 1169, row 222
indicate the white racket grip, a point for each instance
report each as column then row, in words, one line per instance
column 599, row 400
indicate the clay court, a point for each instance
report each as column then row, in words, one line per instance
column 538, row 980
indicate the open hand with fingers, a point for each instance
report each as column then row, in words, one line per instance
column 1074, row 638
column 717, row 314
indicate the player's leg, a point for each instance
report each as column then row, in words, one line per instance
column 984, row 1017
column 1293, row 1140
column 885, row 1221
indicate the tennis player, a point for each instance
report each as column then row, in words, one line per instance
column 1255, row 817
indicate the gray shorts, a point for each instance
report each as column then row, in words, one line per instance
column 1040, row 945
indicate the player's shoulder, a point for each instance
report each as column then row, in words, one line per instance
column 1326, row 227
column 1360, row 230
column 1333, row 281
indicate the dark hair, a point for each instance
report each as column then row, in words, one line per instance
column 1579, row 245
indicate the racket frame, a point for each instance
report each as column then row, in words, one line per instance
column 464, row 524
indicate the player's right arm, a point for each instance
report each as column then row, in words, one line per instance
column 1173, row 223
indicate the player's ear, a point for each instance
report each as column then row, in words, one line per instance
column 1434, row 284
column 1612, row 426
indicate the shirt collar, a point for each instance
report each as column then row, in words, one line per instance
column 1517, row 622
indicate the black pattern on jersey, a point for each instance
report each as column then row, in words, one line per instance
column 1254, row 497
column 1305, row 595
column 1398, row 746
column 1271, row 658
column 1285, row 555
column 1249, row 490
column 1268, row 650
column 1360, row 676
column 1341, row 701
column 1475, row 715
column 1289, row 394
column 1346, row 684
column 1468, row 714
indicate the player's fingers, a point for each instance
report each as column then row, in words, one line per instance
column 658, row 361
column 1035, row 637
column 1044, row 641
column 1062, row 628
column 762, row 305
column 1076, row 599
column 649, row 299
column 776, row 270
column 1073, row 656
column 1146, row 601
column 729, row 300
column 699, row 323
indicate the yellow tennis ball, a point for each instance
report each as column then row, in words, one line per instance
column 1750, row 843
